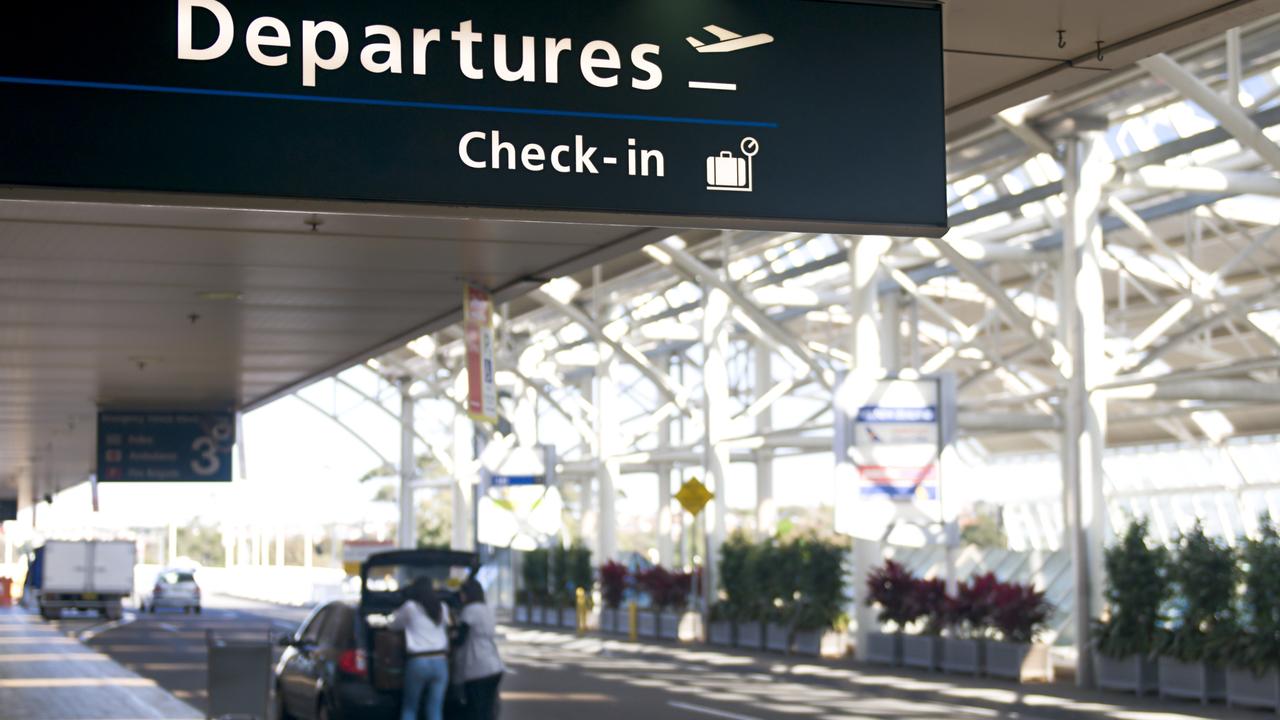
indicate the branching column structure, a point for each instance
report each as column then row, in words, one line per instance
column 1083, row 308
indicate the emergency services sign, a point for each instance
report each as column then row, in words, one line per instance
column 153, row 446
column 754, row 114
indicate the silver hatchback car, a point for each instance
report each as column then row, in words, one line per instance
column 174, row 588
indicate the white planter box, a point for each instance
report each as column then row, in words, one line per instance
column 1024, row 662
column 522, row 614
column 1133, row 674
column 820, row 643
column 647, row 624
column 551, row 617
column 750, row 636
column 720, row 633
column 922, row 651
column 963, row 655
column 569, row 618
column 883, row 649
column 777, row 638
column 1249, row 690
column 535, row 615
column 1194, row 681
column 669, row 626
column 611, row 621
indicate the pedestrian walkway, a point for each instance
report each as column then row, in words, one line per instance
column 46, row 675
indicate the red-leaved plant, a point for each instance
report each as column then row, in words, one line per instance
column 1020, row 612
column 892, row 587
column 614, row 577
column 928, row 601
column 666, row 590
column 971, row 612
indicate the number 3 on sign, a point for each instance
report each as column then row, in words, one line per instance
column 208, row 462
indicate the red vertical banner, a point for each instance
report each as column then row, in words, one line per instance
column 482, row 389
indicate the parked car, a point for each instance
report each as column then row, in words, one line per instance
column 174, row 588
column 342, row 662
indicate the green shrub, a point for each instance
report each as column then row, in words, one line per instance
column 738, row 583
column 1257, row 647
column 1136, row 588
column 1203, row 576
column 534, row 576
column 820, row 590
column 580, row 572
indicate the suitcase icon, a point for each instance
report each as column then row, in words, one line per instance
column 726, row 170
column 732, row 173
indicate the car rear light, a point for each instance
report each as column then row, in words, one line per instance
column 354, row 662
column 157, row 590
column 197, row 591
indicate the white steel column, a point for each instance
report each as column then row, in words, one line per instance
column 864, row 270
column 766, row 508
column 664, row 520
column 608, row 432
column 607, row 440
column 460, row 535
column 1085, row 409
column 406, row 531
column 715, row 385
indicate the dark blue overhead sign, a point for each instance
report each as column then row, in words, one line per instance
column 146, row 446
column 760, row 114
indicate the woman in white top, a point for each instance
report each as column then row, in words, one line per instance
column 424, row 619
column 478, row 662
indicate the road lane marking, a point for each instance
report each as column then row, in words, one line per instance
column 710, row 711
column 90, row 633
column 75, row 682
column 556, row 697
column 52, row 657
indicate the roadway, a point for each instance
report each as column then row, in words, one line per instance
column 556, row 675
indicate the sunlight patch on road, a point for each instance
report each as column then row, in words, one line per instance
column 556, row 697
column 21, row 683
column 711, row 711
column 53, row 657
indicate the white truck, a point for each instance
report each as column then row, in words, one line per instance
column 83, row 575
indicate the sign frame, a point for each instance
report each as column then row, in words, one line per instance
column 149, row 446
column 166, row 72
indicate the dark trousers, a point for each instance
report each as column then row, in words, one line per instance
column 482, row 697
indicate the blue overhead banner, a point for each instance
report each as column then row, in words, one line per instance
column 804, row 115
column 148, row 446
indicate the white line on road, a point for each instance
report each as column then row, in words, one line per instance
column 90, row 633
column 710, row 711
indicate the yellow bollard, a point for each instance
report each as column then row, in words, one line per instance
column 633, row 620
column 582, row 611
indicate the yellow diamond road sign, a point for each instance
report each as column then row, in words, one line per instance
column 694, row 496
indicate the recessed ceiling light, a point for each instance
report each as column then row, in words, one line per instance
column 221, row 295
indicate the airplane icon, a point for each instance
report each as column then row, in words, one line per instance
column 728, row 41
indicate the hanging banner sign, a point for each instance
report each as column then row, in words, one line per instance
column 889, row 443
column 482, row 387
column 798, row 115
column 149, row 446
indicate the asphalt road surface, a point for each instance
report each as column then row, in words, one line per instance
column 555, row 676
column 169, row 646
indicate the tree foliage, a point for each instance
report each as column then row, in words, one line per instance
column 1203, row 577
column 1136, row 588
column 1258, row 646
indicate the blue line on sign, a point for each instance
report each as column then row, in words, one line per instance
column 383, row 103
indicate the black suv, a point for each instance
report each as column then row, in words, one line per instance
column 343, row 662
